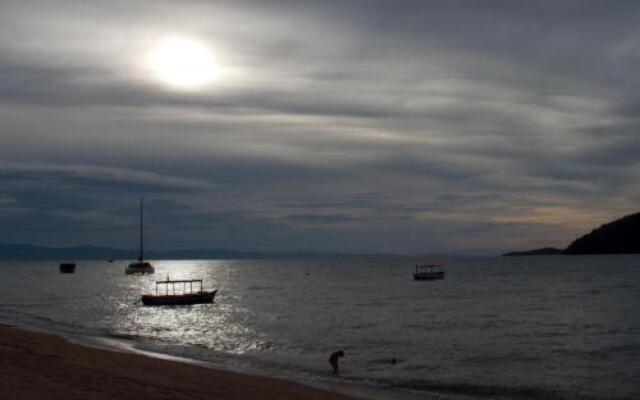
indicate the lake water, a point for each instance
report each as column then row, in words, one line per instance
column 548, row 327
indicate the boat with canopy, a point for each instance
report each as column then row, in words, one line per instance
column 178, row 292
column 428, row 272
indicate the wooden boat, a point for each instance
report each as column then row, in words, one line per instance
column 428, row 272
column 180, row 297
column 141, row 266
column 67, row 268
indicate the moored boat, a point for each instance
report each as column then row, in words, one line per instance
column 141, row 266
column 173, row 297
column 67, row 268
column 428, row 272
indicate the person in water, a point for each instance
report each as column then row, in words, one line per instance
column 333, row 360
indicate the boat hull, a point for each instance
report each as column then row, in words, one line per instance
column 178, row 300
column 67, row 268
column 428, row 276
column 140, row 268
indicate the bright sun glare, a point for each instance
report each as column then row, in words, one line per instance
column 183, row 63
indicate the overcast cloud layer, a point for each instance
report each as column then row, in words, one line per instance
column 352, row 126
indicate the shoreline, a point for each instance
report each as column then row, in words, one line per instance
column 333, row 390
column 37, row 365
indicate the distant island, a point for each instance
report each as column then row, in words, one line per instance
column 33, row 252
column 621, row 236
column 545, row 251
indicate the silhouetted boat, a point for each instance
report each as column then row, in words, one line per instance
column 141, row 266
column 173, row 298
column 67, row 268
column 428, row 272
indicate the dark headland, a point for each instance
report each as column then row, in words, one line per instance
column 621, row 236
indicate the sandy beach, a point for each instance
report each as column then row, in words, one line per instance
column 42, row 366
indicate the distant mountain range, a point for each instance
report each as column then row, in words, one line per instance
column 33, row 252
column 621, row 236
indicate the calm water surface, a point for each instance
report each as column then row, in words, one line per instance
column 526, row 327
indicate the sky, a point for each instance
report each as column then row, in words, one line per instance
column 407, row 127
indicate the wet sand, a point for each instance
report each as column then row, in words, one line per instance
column 42, row 366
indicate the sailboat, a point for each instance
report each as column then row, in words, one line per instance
column 140, row 266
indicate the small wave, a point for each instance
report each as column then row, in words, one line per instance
column 555, row 334
column 370, row 304
column 388, row 360
column 126, row 336
column 363, row 326
column 9, row 306
column 468, row 389
column 628, row 349
column 40, row 321
column 622, row 286
column 497, row 359
column 412, row 325
column 260, row 288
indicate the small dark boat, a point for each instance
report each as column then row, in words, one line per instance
column 67, row 268
column 180, row 297
column 428, row 272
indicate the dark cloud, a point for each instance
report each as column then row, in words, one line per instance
column 400, row 126
column 320, row 219
column 619, row 153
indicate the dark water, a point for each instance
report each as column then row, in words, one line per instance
column 530, row 328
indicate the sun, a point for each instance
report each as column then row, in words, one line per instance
column 183, row 63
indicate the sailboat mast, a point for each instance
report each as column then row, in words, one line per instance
column 141, row 256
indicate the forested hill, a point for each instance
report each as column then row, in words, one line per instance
column 621, row 236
